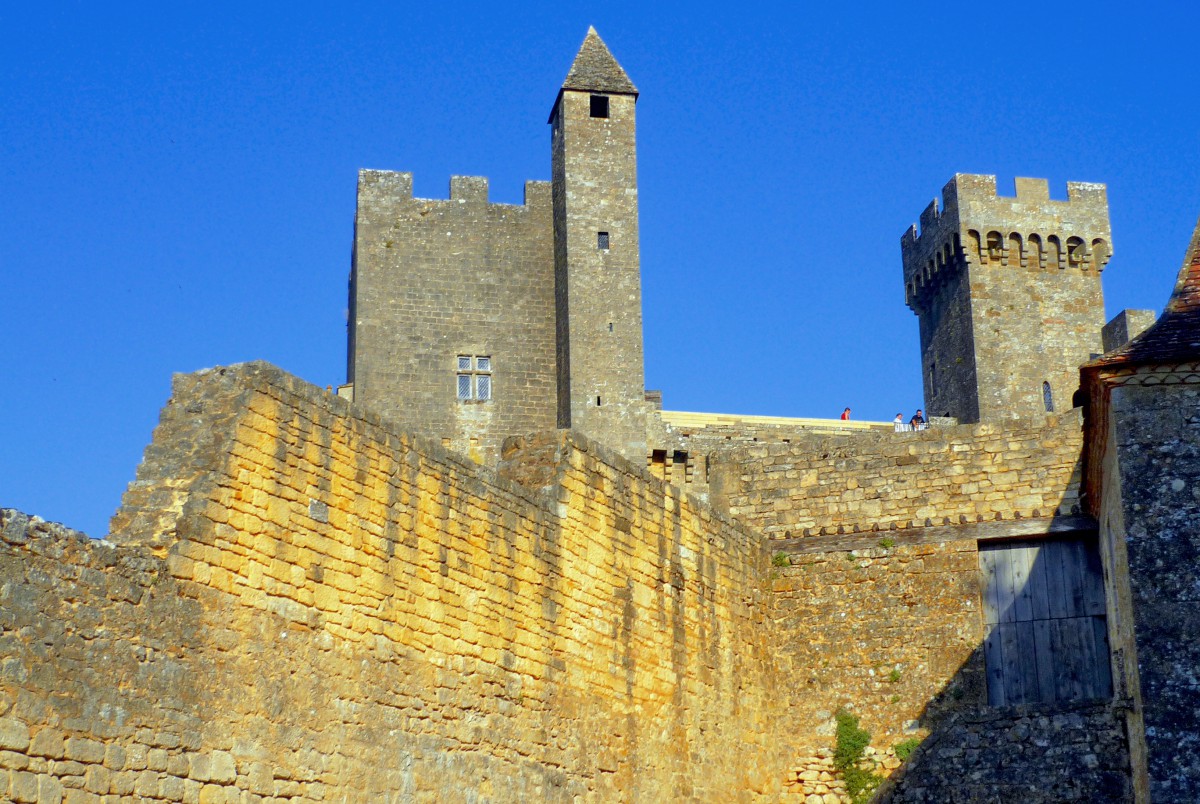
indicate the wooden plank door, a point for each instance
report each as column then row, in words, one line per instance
column 1043, row 605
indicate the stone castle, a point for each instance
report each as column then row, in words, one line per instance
column 492, row 568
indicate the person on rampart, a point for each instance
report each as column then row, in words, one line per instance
column 898, row 423
column 846, row 415
column 917, row 422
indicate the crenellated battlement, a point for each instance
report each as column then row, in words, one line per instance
column 974, row 224
column 395, row 187
column 436, row 279
column 997, row 279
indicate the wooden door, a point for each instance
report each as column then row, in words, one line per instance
column 1043, row 604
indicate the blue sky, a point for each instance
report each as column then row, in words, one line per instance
column 178, row 185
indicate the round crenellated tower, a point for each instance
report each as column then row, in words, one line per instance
column 1007, row 291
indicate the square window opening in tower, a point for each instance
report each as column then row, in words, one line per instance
column 599, row 106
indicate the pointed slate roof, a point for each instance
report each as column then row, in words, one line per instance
column 595, row 69
column 1175, row 336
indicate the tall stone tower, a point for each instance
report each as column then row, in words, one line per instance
column 1008, row 295
column 597, row 274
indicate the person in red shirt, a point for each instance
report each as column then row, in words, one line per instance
column 846, row 415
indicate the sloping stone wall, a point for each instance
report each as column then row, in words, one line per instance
column 338, row 610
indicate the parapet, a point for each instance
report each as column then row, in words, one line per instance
column 976, row 225
column 395, row 187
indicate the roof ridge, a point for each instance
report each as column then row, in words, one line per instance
column 595, row 69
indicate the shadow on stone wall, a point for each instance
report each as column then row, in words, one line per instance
column 1031, row 716
column 986, row 634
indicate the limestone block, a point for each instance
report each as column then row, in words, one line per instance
column 82, row 749
column 96, row 778
column 222, row 767
column 50, row 790
column 14, row 735
column 49, row 743
column 23, row 786
column 114, row 756
column 214, row 794
column 156, row 759
column 122, row 784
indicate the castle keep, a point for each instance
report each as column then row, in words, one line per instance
column 492, row 568
column 477, row 321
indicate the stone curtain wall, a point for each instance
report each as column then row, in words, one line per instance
column 702, row 436
column 341, row 611
column 79, row 620
column 890, row 481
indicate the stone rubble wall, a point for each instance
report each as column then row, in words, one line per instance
column 894, row 481
column 816, row 781
column 1030, row 754
column 889, row 633
column 1153, row 502
column 338, row 611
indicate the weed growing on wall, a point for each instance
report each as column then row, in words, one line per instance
column 905, row 749
column 848, row 755
column 781, row 559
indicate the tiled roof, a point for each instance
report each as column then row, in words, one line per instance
column 595, row 69
column 1175, row 337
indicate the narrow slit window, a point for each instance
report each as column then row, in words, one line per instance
column 599, row 106
column 602, row 241
column 597, row 401
column 1047, row 397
